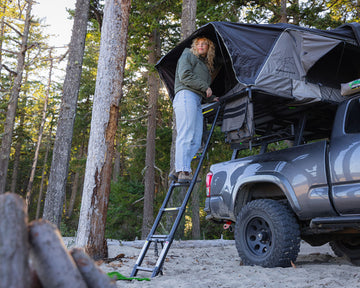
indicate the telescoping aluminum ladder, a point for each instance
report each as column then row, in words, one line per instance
column 166, row 240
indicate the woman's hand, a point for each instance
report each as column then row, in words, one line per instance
column 208, row 92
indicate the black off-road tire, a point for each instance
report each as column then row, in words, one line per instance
column 350, row 248
column 267, row 234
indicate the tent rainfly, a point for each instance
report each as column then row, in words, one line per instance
column 279, row 63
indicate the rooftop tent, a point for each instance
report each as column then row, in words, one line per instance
column 280, row 63
column 281, row 59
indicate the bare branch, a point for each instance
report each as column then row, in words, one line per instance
column 8, row 51
column 37, row 54
column 63, row 56
column 8, row 69
column 13, row 28
column 141, row 199
column 135, row 119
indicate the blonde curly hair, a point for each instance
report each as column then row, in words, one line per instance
column 210, row 56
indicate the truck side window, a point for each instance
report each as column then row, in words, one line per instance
column 352, row 124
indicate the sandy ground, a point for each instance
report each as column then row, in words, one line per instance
column 215, row 263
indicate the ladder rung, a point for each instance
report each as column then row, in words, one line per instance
column 178, row 184
column 172, row 209
column 145, row 269
column 159, row 237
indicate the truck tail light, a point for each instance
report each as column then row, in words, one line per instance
column 208, row 184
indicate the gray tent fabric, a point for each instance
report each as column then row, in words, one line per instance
column 274, row 57
column 283, row 65
column 284, row 72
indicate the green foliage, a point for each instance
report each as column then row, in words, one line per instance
column 68, row 226
column 124, row 216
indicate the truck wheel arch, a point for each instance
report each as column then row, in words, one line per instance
column 263, row 187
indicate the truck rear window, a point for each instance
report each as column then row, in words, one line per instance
column 352, row 124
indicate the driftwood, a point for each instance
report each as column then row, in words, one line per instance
column 34, row 255
column 14, row 247
column 94, row 277
column 52, row 262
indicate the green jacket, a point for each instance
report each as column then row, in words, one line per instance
column 192, row 74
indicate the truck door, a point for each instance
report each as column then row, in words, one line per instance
column 344, row 158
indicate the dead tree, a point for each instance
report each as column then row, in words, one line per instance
column 108, row 92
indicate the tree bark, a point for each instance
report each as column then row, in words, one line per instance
column 74, row 190
column 283, row 12
column 41, row 130
column 17, row 154
column 154, row 86
column 195, row 213
column 43, row 175
column 188, row 17
column 13, row 102
column 20, row 139
column 62, row 146
column 188, row 22
column 108, row 92
column 14, row 247
column 117, row 158
column 2, row 31
column 53, row 263
column 93, row 276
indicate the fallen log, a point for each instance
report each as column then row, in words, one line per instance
column 53, row 263
column 14, row 247
column 93, row 276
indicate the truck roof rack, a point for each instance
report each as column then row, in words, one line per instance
column 278, row 118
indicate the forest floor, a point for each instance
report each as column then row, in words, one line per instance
column 215, row 263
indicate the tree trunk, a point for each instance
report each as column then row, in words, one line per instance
column 2, row 31
column 62, row 146
column 93, row 276
column 188, row 17
column 53, row 263
column 17, row 154
column 19, row 140
column 296, row 15
column 154, row 86
column 41, row 130
column 43, row 175
column 74, row 190
column 188, row 25
column 14, row 246
column 195, row 213
column 117, row 158
column 108, row 92
column 283, row 12
column 13, row 101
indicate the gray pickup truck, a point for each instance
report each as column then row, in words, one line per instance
column 310, row 191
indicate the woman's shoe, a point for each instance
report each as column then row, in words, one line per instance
column 185, row 177
column 174, row 175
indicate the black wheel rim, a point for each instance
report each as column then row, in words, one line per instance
column 258, row 236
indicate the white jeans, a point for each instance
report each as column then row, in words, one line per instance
column 189, row 127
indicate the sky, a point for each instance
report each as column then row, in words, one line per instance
column 53, row 13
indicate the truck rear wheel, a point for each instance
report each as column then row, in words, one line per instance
column 349, row 248
column 267, row 234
